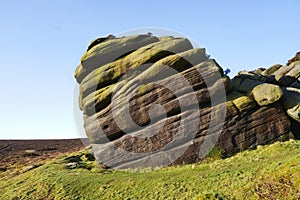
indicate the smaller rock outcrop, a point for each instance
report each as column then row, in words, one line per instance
column 279, row 83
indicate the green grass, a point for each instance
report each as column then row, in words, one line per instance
column 270, row 172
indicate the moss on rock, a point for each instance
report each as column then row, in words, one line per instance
column 244, row 103
column 265, row 94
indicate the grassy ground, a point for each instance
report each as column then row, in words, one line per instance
column 270, row 172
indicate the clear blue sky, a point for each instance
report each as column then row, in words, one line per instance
column 42, row 42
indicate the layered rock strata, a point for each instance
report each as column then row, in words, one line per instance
column 152, row 101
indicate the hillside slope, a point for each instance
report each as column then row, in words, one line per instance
column 270, row 172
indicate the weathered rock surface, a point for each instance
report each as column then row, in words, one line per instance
column 295, row 58
column 291, row 102
column 152, row 101
column 265, row 94
column 275, row 83
column 109, row 51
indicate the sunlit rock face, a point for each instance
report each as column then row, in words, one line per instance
column 154, row 101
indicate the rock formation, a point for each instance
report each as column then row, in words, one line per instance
column 151, row 101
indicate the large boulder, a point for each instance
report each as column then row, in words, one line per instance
column 152, row 101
